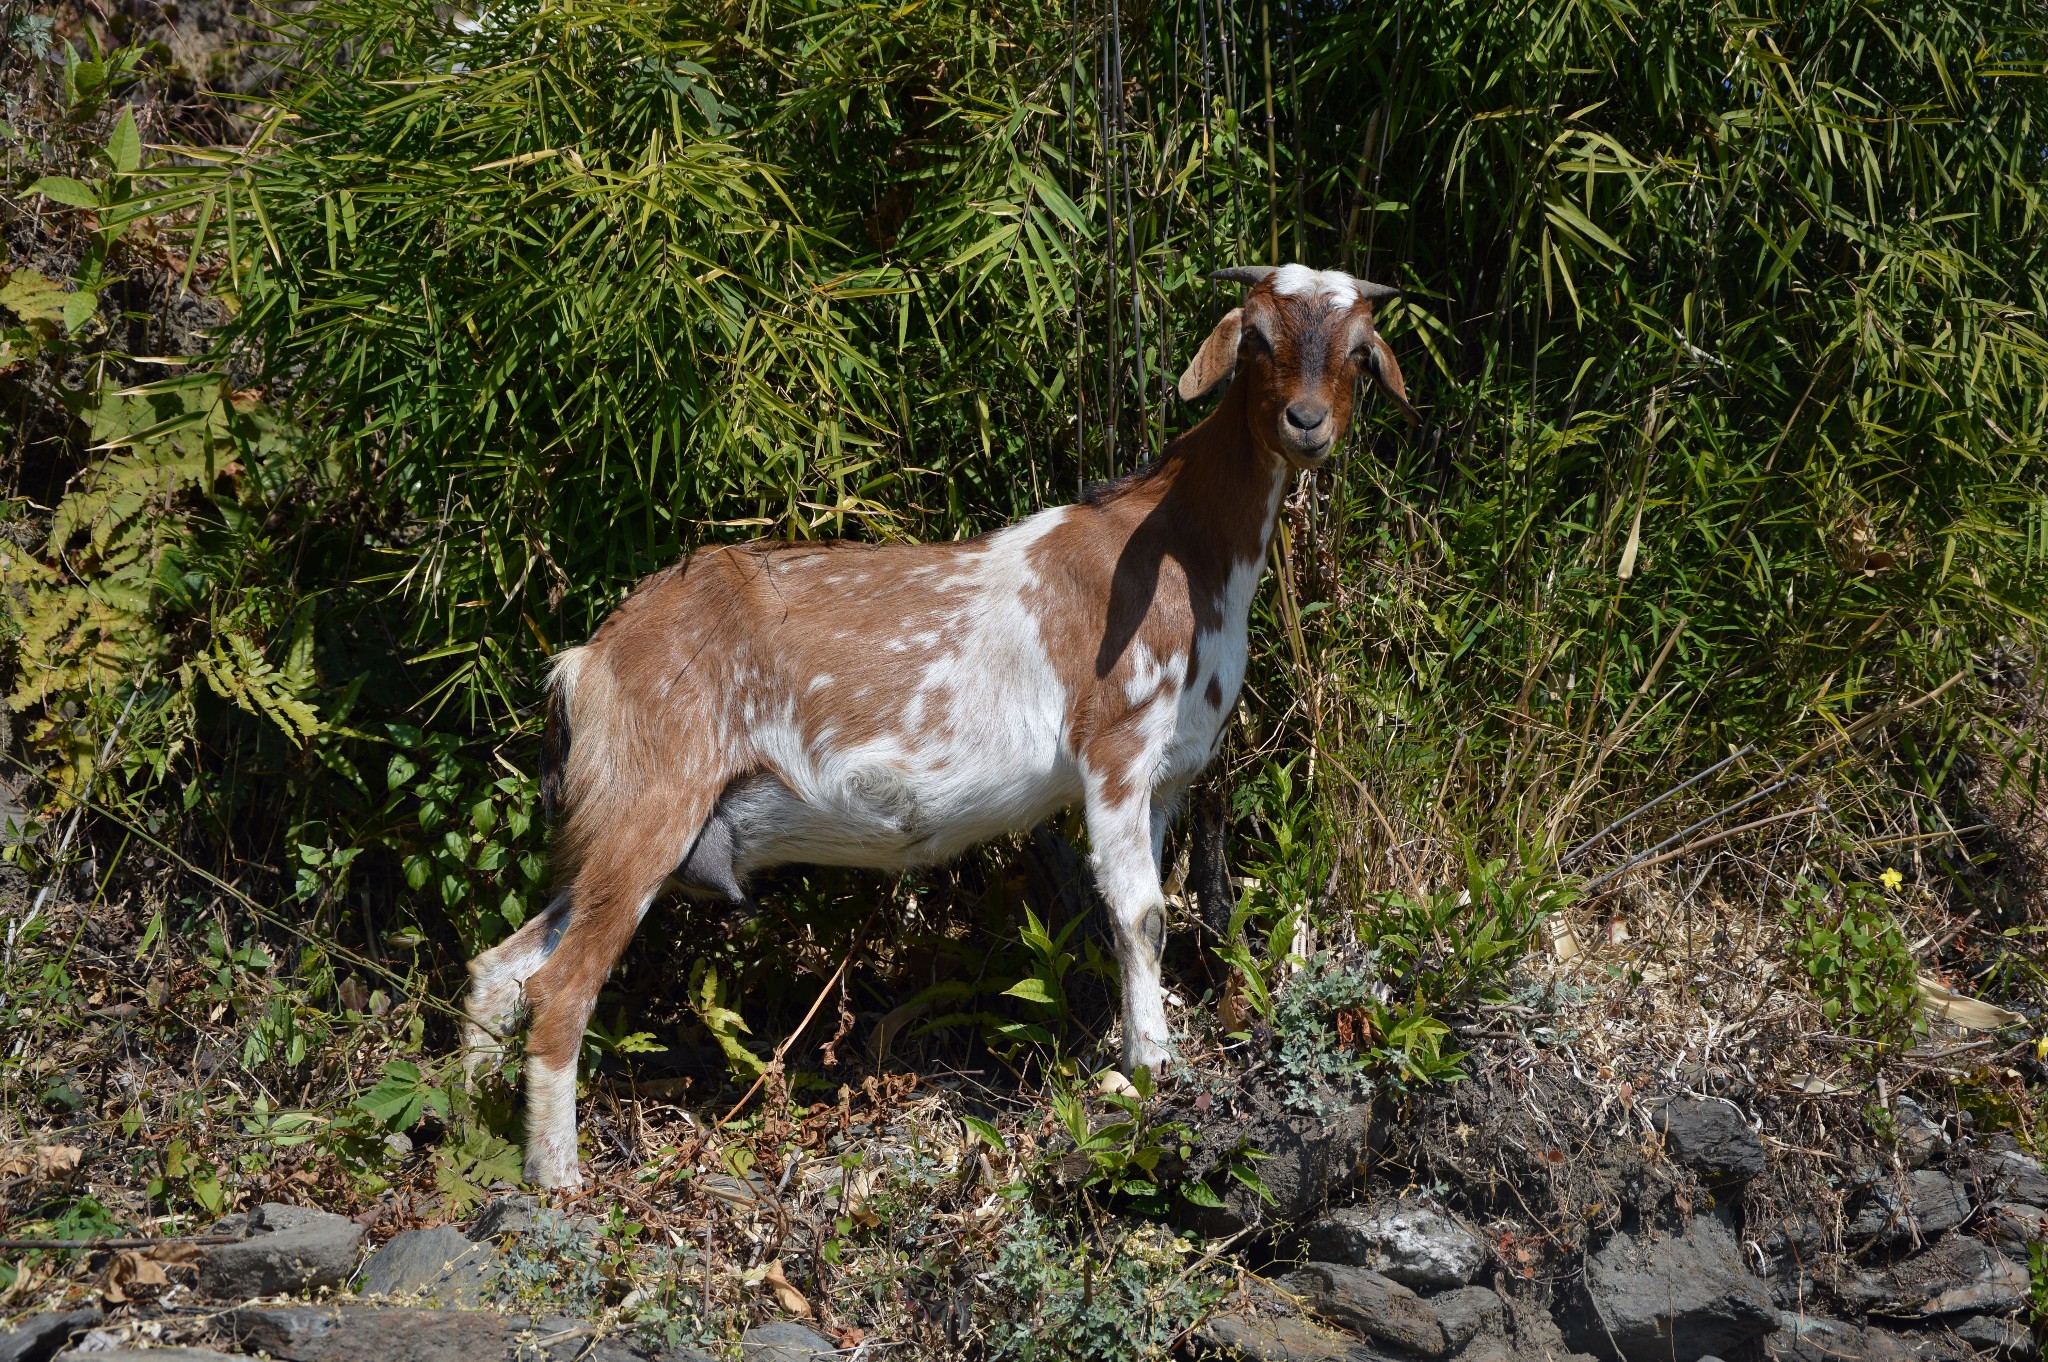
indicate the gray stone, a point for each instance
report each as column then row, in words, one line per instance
column 1649, row 1300
column 1921, row 1141
column 784, row 1342
column 1279, row 1338
column 1890, row 1210
column 1711, row 1136
column 441, row 1264
column 290, row 1249
column 1414, row 1245
column 1958, row 1276
column 559, row 1338
column 37, row 1337
column 350, row 1333
column 2006, row 1337
column 1367, row 1303
column 1468, row 1313
column 274, row 1216
column 2014, row 1226
column 1815, row 1338
column 2020, row 1177
column 502, row 1216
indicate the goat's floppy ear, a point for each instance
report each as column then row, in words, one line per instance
column 1379, row 358
column 1216, row 361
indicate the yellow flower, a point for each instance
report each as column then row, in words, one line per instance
column 1891, row 879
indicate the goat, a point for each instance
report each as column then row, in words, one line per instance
column 890, row 706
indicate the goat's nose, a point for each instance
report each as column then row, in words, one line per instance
column 1307, row 415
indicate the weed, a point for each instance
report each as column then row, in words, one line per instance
column 1857, row 962
column 1344, row 1026
column 1054, row 1299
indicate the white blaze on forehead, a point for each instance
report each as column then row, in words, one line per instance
column 1334, row 287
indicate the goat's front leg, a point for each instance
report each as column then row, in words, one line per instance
column 1125, row 828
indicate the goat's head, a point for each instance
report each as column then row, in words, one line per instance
column 1300, row 340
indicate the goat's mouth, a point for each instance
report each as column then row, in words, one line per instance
column 1303, row 453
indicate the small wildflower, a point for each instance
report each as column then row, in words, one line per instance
column 1891, row 879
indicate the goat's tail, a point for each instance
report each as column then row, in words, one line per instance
column 554, row 741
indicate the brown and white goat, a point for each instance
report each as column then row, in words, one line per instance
column 889, row 706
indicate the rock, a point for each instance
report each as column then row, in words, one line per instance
column 350, row 1333
column 291, row 1249
column 1960, row 1275
column 38, row 1336
column 1815, row 1338
column 1306, row 1158
column 2014, row 1225
column 1711, row 1136
column 1415, row 1246
column 1649, row 1300
column 784, row 1342
column 1886, row 1211
column 442, row 1264
column 1469, row 1312
column 1280, row 1338
column 559, row 1338
column 502, row 1216
column 2020, row 1177
column 274, row 1216
column 1921, row 1141
column 1797, row 1238
column 1367, row 1303
column 390, row 1334
column 2006, row 1337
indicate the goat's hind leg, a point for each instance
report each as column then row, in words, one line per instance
column 622, row 865
column 497, row 985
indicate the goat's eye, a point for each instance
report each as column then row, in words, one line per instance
column 1255, row 341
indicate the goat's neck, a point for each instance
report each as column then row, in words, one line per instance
column 1221, row 488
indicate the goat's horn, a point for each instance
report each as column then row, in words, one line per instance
column 1370, row 292
column 1243, row 274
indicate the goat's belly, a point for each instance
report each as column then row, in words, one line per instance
column 879, row 816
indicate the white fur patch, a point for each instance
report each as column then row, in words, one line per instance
column 551, row 1124
column 979, row 748
column 1336, row 288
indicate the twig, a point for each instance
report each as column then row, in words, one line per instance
column 791, row 1038
column 1924, row 836
column 1680, row 788
column 1393, row 839
column 1650, row 857
column 1695, row 846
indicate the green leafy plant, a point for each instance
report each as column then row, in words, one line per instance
column 402, row 1095
column 1053, row 1298
column 1857, row 961
column 706, row 996
column 1044, row 989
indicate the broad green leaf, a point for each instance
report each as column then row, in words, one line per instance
column 124, row 144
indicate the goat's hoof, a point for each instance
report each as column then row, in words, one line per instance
column 1152, row 1057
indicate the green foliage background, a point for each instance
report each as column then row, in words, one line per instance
column 1726, row 319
